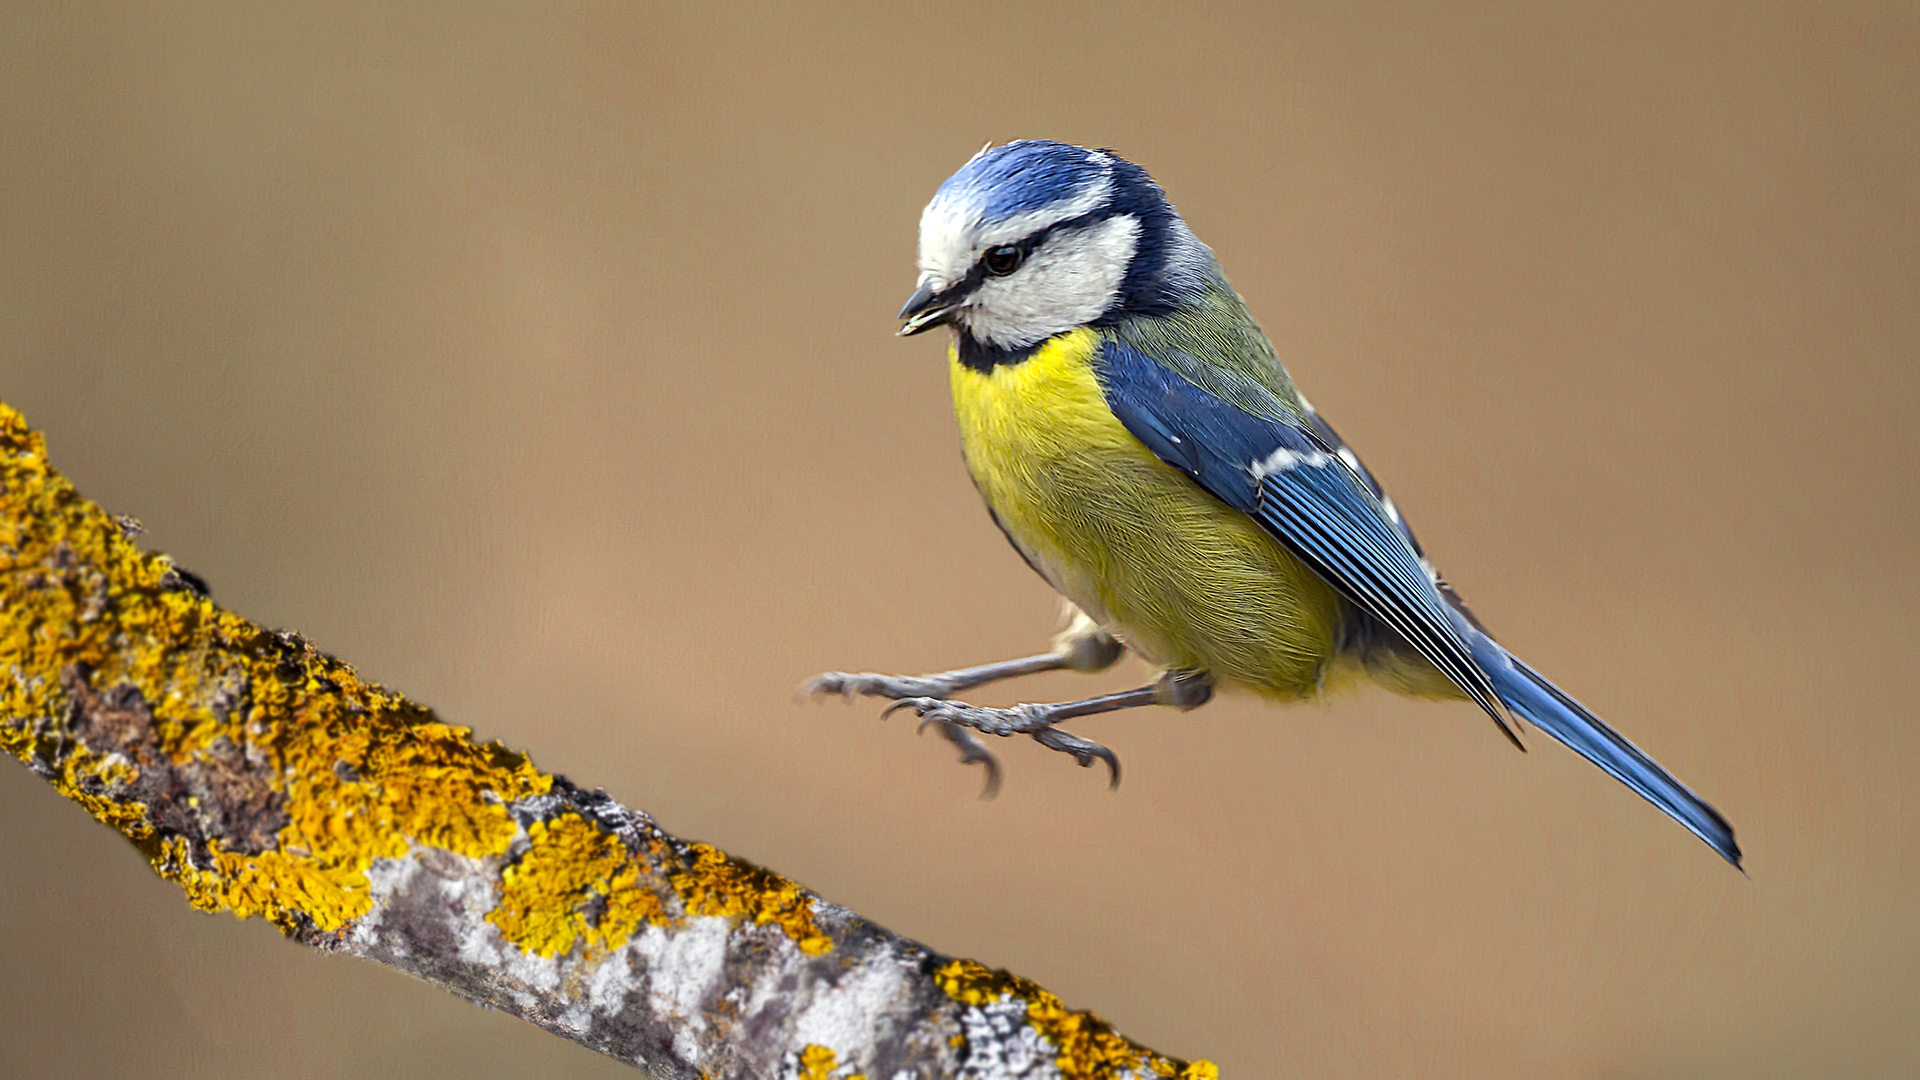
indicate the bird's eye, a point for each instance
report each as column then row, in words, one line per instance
column 1004, row 260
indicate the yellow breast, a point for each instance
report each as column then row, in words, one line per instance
column 1180, row 576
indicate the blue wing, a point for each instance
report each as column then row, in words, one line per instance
column 1300, row 489
column 1299, row 481
column 1323, row 431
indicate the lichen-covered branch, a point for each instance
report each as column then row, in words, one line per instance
column 267, row 778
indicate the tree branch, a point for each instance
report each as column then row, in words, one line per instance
column 267, row 778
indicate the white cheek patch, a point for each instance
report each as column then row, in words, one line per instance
column 1068, row 281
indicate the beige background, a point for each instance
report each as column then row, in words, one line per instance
column 538, row 363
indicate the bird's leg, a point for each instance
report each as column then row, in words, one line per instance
column 939, row 684
column 1183, row 690
column 1083, row 646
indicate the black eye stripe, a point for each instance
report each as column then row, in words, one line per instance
column 978, row 272
column 1028, row 245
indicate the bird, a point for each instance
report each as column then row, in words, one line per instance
column 1135, row 436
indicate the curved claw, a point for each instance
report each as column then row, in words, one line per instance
column 919, row 705
column 838, row 683
column 971, row 753
column 991, row 787
column 1084, row 751
column 957, row 721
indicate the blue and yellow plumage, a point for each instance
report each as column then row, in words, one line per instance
column 1131, row 541
column 1137, row 439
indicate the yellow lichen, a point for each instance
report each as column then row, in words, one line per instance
column 575, row 883
column 361, row 785
column 1088, row 1046
column 349, row 771
column 818, row 1062
column 714, row 884
column 272, row 884
column 363, row 772
column 83, row 770
column 971, row 983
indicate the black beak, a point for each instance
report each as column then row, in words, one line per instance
column 924, row 310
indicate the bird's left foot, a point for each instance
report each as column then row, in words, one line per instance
column 956, row 717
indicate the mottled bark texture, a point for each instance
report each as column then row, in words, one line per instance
column 267, row 778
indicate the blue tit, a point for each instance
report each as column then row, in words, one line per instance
column 1136, row 438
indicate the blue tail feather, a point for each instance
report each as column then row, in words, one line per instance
column 1528, row 693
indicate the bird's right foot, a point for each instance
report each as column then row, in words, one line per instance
column 1037, row 721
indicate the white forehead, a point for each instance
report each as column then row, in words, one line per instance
column 954, row 228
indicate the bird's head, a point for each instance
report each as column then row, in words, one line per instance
column 1037, row 237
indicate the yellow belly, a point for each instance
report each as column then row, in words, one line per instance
column 1181, row 577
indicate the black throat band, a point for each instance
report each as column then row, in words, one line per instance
column 976, row 355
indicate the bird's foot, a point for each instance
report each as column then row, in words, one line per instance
column 955, row 717
column 849, row 684
column 972, row 752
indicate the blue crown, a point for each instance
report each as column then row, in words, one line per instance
column 1022, row 176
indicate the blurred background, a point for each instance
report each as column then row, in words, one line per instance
column 537, row 361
